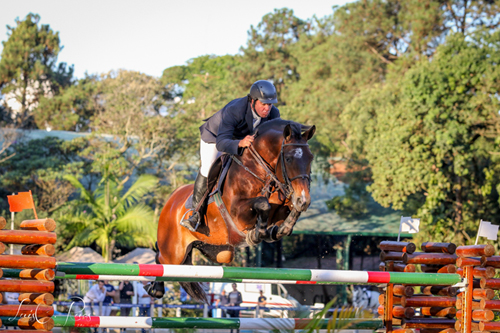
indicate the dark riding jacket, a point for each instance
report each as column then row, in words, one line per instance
column 231, row 124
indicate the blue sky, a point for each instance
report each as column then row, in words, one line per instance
column 150, row 35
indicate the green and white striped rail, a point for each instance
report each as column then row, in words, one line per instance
column 245, row 274
column 200, row 323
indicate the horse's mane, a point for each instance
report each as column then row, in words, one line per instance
column 278, row 124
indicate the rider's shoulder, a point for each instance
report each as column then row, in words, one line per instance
column 275, row 112
column 237, row 108
column 237, row 103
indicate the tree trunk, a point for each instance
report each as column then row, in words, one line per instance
column 110, row 249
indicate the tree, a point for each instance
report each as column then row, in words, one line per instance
column 129, row 110
column 434, row 150
column 40, row 165
column 332, row 69
column 109, row 218
column 269, row 52
column 27, row 68
column 72, row 109
column 205, row 85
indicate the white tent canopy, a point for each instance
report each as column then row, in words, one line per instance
column 80, row 254
column 139, row 255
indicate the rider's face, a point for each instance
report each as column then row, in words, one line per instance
column 262, row 109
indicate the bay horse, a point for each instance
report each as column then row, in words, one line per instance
column 265, row 190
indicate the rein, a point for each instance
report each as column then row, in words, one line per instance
column 286, row 187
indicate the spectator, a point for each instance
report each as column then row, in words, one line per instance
column 145, row 301
column 183, row 295
column 261, row 301
column 108, row 300
column 222, row 301
column 126, row 293
column 95, row 295
column 116, row 306
column 234, row 300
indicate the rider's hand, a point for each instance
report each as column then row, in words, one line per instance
column 246, row 141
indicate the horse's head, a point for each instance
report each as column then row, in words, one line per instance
column 295, row 163
column 283, row 145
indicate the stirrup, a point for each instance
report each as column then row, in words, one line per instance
column 187, row 224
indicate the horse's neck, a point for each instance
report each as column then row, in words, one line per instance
column 254, row 169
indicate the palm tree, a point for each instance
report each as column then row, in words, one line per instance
column 106, row 217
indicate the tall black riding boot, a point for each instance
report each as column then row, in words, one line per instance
column 200, row 188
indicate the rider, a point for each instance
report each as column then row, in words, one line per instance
column 229, row 131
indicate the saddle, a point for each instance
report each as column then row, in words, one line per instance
column 215, row 180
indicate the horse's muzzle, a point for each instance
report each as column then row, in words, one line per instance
column 301, row 202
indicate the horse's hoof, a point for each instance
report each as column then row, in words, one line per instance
column 155, row 290
column 250, row 238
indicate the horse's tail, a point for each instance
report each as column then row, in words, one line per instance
column 195, row 290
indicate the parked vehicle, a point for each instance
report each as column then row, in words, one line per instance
column 276, row 294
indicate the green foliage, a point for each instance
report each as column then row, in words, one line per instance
column 40, row 165
column 110, row 216
column 27, row 66
column 269, row 52
column 435, row 136
column 132, row 136
column 70, row 110
column 342, row 318
column 405, row 90
column 354, row 202
column 332, row 72
column 206, row 84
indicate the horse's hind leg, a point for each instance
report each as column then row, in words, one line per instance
column 193, row 289
column 156, row 289
column 165, row 255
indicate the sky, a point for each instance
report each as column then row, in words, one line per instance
column 149, row 35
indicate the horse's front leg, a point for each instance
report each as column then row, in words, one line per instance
column 252, row 215
column 261, row 208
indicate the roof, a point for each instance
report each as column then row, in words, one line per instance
column 42, row 134
column 318, row 219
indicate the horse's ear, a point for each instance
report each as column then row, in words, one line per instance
column 287, row 132
column 308, row 134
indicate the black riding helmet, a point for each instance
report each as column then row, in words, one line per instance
column 264, row 91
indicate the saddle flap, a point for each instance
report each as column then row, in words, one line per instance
column 218, row 172
column 215, row 179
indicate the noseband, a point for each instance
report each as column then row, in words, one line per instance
column 273, row 181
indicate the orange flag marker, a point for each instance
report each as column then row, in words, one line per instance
column 20, row 201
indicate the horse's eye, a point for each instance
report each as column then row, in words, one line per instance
column 288, row 159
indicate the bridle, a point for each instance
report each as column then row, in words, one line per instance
column 271, row 178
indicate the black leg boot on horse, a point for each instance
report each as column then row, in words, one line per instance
column 199, row 197
column 156, row 289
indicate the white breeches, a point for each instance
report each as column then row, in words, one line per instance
column 208, row 154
